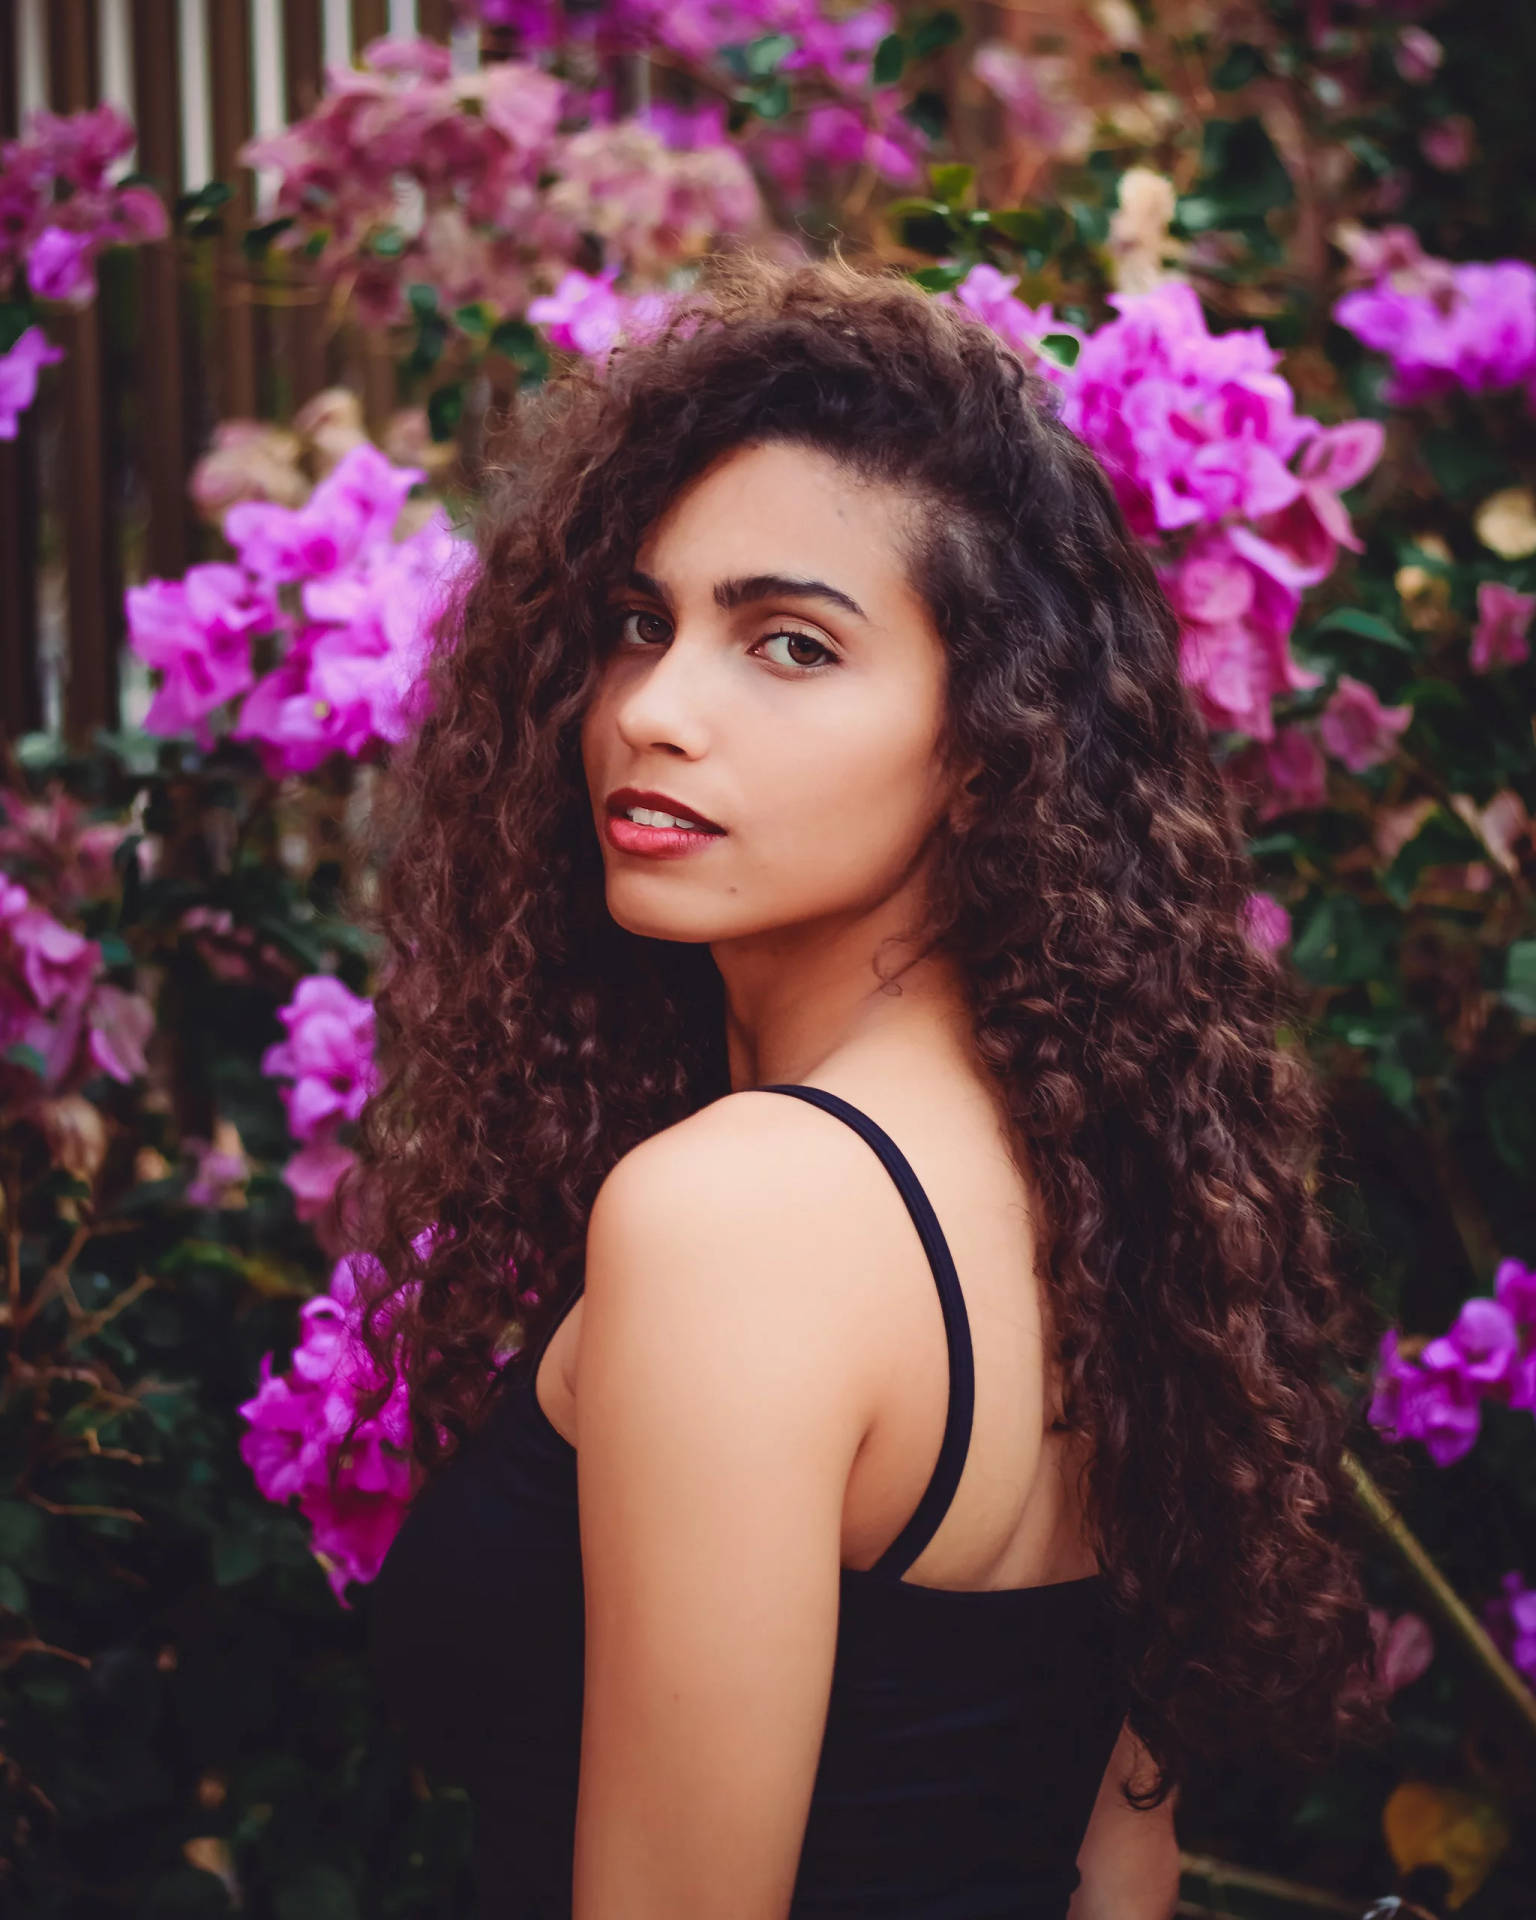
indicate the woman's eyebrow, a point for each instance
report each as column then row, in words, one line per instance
column 757, row 586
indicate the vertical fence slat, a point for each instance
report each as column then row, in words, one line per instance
column 85, row 508
column 229, row 65
column 434, row 18
column 157, row 109
column 370, row 21
column 21, row 707
column 301, row 337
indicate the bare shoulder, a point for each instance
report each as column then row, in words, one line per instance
column 727, row 1236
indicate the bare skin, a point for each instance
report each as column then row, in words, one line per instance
column 756, row 1374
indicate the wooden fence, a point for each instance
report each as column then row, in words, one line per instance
column 183, row 334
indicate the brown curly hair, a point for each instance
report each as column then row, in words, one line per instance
column 1096, row 907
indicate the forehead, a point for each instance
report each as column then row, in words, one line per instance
column 780, row 508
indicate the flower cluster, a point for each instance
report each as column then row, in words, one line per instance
column 59, row 1016
column 1236, row 493
column 1511, row 1620
column 327, row 1058
column 58, row 209
column 353, row 606
column 477, row 186
column 1488, row 1354
column 1443, row 325
column 297, row 1422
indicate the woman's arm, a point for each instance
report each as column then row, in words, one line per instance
column 718, row 1416
column 1129, row 1860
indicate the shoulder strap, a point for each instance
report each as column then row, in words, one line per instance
column 940, row 1490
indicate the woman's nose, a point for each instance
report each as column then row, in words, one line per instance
column 663, row 704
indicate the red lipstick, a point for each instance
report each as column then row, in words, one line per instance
column 659, row 842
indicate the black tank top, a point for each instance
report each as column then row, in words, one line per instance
column 967, row 1731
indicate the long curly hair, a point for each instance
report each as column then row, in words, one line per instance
column 1097, row 908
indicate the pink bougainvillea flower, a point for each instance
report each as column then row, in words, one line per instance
column 298, row 1423
column 120, row 1024
column 1268, row 922
column 1482, row 1346
column 1514, row 1287
column 1357, row 729
column 198, row 632
column 18, row 376
column 328, row 1055
column 1404, row 1648
column 1442, row 1409
column 1511, row 1620
column 1503, row 624
column 59, row 266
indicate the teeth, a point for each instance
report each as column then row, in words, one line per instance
column 649, row 817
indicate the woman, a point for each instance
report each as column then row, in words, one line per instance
column 862, row 1527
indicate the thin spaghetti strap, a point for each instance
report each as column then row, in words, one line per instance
column 940, row 1490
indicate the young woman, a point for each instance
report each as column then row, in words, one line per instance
column 822, row 1029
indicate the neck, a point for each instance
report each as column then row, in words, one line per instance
column 796, row 996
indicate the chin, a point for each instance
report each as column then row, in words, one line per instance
column 656, row 920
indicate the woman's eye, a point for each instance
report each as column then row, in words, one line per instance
column 636, row 624
column 793, row 640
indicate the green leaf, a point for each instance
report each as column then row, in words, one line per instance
column 386, row 243
column 236, row 1555
column 1464, row 465
column 255, row 241
column 22, row 1542
column 1364, row 626
column 1243, row 62
column 475, row 320
column 937, row 31
column 524, row 347
column 1024, row 226
column 940, row 279
column 1520, row 977
column 923, row 225
column 761, row 57
column 929, row 113
column 952, row 182
column 890, row 58
column 445, row 409
column 1062, row 347
column 1337, row 944
column 20, row 1054
column 421, row 298
column 769, row 100
column 316, row 1893
column 1509, row 1109
column 1443, row 840
column 13, row 1591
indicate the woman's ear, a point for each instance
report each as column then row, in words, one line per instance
column 966, row 798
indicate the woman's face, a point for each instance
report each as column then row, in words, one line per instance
column 772, row 672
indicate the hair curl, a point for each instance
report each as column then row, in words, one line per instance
column 1096, row 907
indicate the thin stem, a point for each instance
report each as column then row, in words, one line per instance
column 1453, row 1610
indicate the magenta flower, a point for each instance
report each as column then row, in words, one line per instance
column 585, row 315
column 198, row 632
column 18, row 376
column 1268, row 923
column 328, row 1055
column 1503, row 622
column 59, row 266
column 1356, row 728
column 1514, row 1288
column 121, row 1024
column 1511, row 1620
column 1441, row 325
column 313, row 1174
column 297, row 1423
column 1411, row 1403
column 1482, row 1346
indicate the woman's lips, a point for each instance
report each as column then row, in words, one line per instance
column 660, row 843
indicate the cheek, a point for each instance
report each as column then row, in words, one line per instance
column 859, row 799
